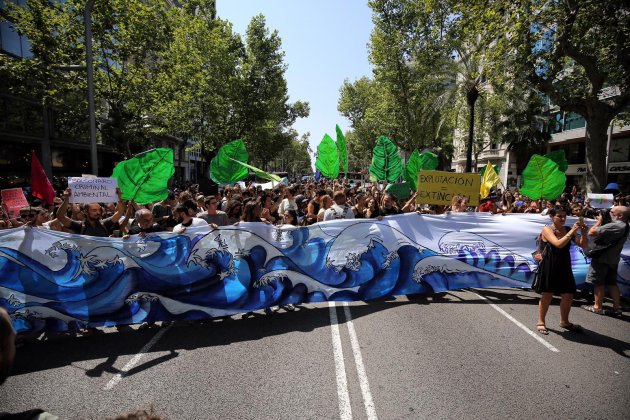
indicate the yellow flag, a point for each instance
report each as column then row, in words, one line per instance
column 490, row 179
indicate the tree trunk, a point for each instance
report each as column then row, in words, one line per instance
column 471, row 98
column 598, row 120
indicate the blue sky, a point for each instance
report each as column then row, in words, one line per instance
column 325, row 42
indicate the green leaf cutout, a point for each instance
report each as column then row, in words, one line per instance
column 543, row 179
column 224, row 169
column 260, row 173
column 144, row 177
column 401, row 190
column 386, row 162
column 560, row 158
column 425, row 161
column 328, row 158
column 342, row 147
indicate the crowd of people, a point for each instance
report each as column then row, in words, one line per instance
column 313, row 202
column 303, row 204
column 300, row 204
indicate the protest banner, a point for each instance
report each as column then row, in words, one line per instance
column 601, row 201
column 64, row 281
column 439, row 187
column 13, row 200
column 93, row 190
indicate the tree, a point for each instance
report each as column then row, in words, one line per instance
column 266, row 114
column 409, row 43
column 129, row 36
column 198, row 82
column 366, row 104
column 576, row 52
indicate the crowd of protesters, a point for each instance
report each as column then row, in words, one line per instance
column 300, row 204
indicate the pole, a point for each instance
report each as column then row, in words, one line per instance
column 610, row 131
column 87, row 16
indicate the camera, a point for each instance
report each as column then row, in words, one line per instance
column 605, row 213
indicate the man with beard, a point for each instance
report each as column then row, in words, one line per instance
column 93, row 225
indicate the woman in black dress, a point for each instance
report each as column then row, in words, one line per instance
column 555, row 275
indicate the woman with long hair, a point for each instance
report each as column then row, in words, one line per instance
column 372, row 211
column 233, row 211
column 251, row 212
column 290, row 217
column 459, row 204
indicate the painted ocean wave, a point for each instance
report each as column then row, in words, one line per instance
column 74, row 282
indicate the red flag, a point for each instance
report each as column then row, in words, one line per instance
column 40, row 184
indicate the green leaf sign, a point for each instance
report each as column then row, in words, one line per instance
column 224, row 169
column 386, row 162
column 342, row 147
column 144, row 177
column 328, row 158
column 427, row 161
column 543, row 179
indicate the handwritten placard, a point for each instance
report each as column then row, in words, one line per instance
column 13, row 200
column 601, row 201
column 439, row 187
column 93, row 190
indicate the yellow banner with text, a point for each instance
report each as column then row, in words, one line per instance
column 439, row 187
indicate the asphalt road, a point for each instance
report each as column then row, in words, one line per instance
column 463, row 356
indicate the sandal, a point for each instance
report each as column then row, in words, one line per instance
column 615, row 313
column 572, row 327
column 591, row 308
column 542, row 329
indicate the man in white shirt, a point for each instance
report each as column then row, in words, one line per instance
column 339, row 210
column 187, row 211
column 289, row 201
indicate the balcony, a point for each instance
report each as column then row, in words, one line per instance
column 492, row 153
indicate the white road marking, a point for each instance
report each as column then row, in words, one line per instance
column 358, row 360
column 345, row 410
column 520, row 325
column 135, row 359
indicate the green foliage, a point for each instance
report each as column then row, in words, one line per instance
column 161, row 72
column 543, row 179
column 386, row 162
column 144, row 178
column 266, row 114
column 570, row 51
column 327, row 158
column 226, row 167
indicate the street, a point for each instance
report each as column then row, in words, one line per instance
column 470, row 354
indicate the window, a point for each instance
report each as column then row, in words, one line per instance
column 619, row 150
column 575, row 152
column 573, row 120
column 10, row 40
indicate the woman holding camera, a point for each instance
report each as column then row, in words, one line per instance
column 555, row 275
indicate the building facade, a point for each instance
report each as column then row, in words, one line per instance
column 570, row 136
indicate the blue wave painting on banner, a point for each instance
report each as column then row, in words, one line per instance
column 56, row 281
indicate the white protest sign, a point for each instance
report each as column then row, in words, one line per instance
column 601, row 201
column 93, row 190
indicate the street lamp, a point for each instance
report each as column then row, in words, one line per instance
column 87, row 17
